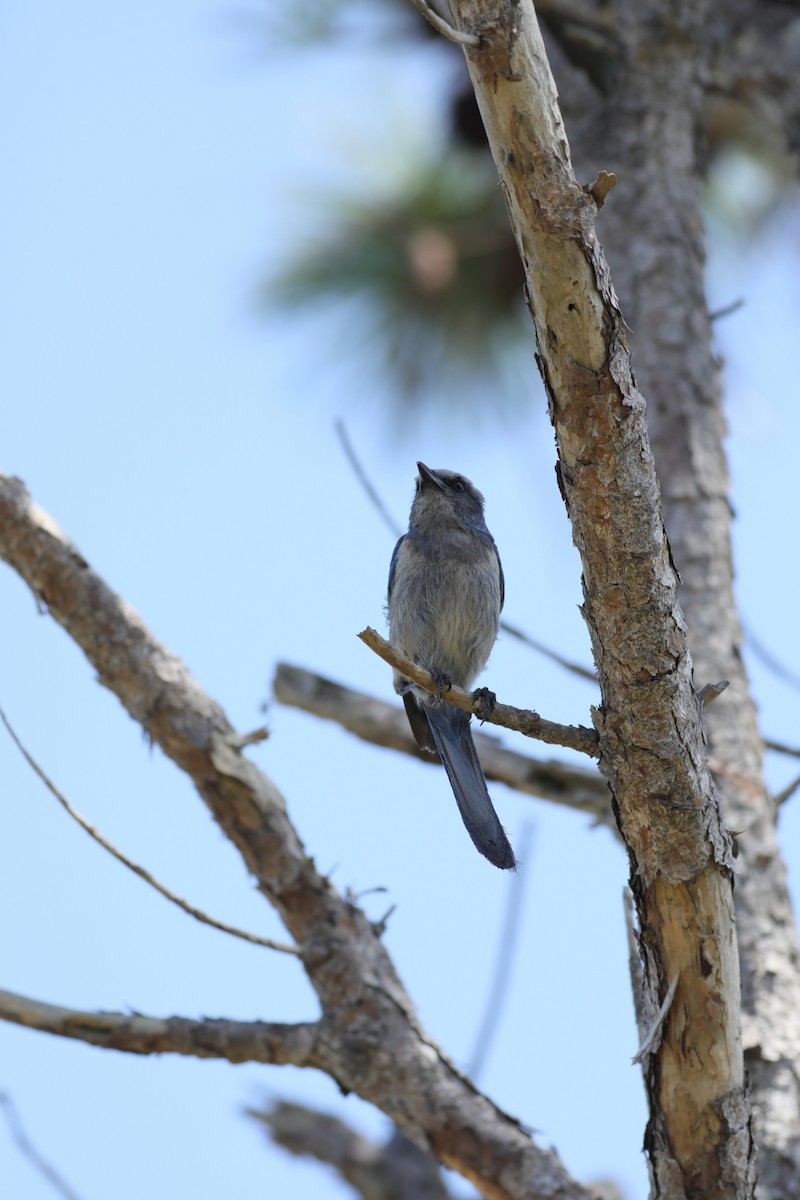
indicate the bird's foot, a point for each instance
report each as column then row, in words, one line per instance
column 484, row 702
column 443, row 683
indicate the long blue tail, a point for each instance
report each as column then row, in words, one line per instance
column 451, row 732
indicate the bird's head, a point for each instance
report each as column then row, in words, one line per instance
column 446, row 498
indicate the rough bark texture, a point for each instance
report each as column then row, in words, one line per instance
column 649, row 129
column 396, row 1170
column 368, row 1039
column 637, row 97
column 133, row 1033
column 650, row 724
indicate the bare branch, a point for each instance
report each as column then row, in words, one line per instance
column 710, row 691
column 29, row 1151
column 240, row 741
column 521, row 720
column 575, row 668
column 362, row 477
column 600, row 186
column 397, row 1170
column 144, row 874
column 786, row 793
column 782, row 748
column 727, row 310
column 235, row 1041
column 405, row 1074
column 582, row 789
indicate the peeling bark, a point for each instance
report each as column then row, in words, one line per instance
column 650, row 130
column 650, row 723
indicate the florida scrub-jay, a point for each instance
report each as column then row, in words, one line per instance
column 446, row 591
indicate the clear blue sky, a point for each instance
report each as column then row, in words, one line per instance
column 157, row 162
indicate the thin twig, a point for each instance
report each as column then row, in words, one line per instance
column 727, row 309
column 443, row 27
column 521, row 720
column 29, row 1151
column 361, row 475
column 600, row 186
column 238, row 741
column 575, row 668
column 197, row 913
column 506, row 950
column 709, row 691
column 786, row 794
column 782, row 748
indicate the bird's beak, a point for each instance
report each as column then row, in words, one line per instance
column 426, row 475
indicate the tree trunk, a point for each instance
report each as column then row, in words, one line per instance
column 652, row 742
column 650, row 131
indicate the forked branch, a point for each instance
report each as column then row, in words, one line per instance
column 363, row 1001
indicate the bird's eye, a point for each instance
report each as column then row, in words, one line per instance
column 458, row 485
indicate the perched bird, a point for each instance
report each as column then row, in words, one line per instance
column 446, row 591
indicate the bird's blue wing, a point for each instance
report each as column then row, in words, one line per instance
column 502, row 577
column 393, row 564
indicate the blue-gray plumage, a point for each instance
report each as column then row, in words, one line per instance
column 446, row 591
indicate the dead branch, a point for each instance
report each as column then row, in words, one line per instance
column 365, row 1005
column 236, row 1041
column 198, row 914
column 31, row 1153
column 520, row 720
column 395, row 1170
column 580, row 788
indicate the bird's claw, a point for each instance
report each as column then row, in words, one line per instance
column 443, row 683
column 484, row 702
